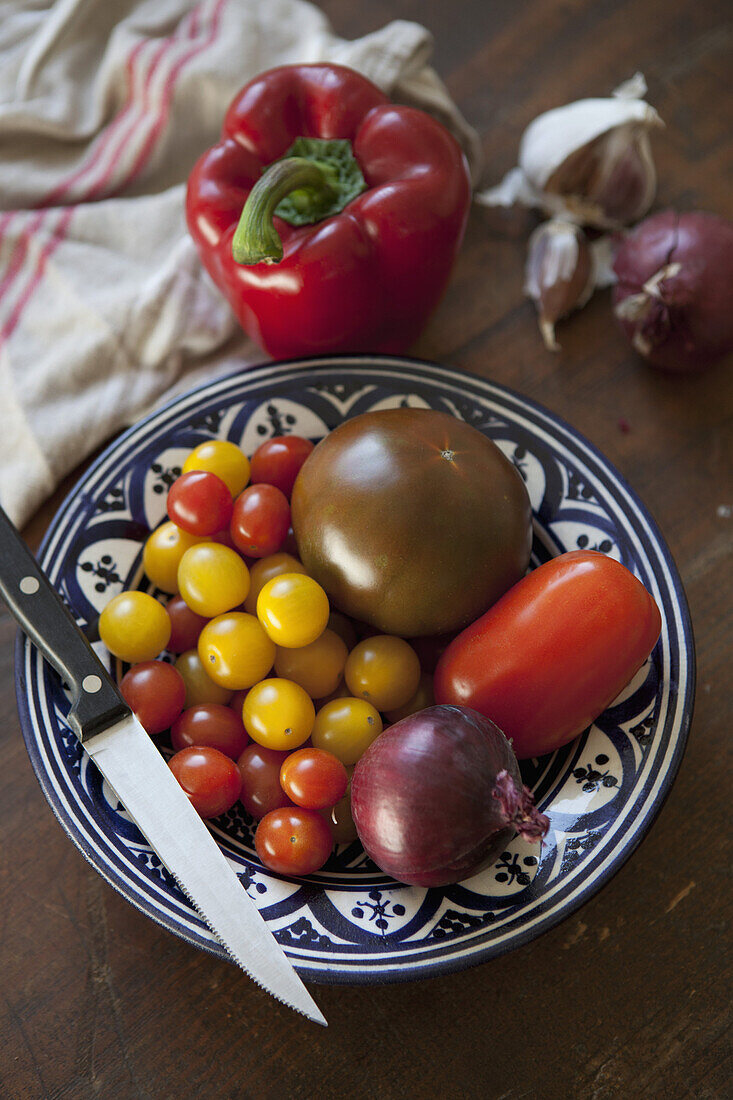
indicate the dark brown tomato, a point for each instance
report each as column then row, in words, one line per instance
column 411, row 520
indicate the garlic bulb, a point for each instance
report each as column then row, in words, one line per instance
column 562, row 271
column 589, row 162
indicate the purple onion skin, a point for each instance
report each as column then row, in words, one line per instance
column 426, row 802
column 688, row 325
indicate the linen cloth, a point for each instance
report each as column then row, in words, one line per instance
column 105, row 106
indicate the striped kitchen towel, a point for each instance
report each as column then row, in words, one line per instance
column 104, row 108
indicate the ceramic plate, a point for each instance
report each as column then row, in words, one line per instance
column 351, row 923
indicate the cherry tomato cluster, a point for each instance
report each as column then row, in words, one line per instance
column 272, row 697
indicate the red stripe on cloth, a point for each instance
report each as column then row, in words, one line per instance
column 108, row 134
column 137, row 105
column 65, row 220
column 17, row 258
column 157, row 129
column 20, row 250
column 187, row 29
column 46, row 253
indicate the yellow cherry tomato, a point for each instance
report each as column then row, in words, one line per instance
column 135, row 627
column 212, row 579
column 293, row 609
column 200, row 688
column 346, row 727
column 383, row 669
column 162, row 553
column 316, row 667
column 422, row 698
column 225, row 459
column 235, row 651
column 263, row 570
column 278, row 714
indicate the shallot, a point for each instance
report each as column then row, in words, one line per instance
column 674, row 291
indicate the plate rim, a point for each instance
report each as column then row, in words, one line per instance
column 393, row 971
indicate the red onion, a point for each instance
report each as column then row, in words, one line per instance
column 438, row 795
column 674, row 296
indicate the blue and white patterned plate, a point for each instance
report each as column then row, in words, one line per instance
column 351, row 923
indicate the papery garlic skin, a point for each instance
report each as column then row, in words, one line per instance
column 588, row 162
column 559, row 274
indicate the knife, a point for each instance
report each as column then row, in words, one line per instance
column 141, row 779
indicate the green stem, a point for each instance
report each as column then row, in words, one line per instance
column 256, row 240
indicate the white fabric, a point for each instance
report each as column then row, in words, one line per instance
column 104, row 108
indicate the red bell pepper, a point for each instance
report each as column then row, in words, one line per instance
column 342, row 243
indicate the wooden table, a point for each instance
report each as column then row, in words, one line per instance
column 630, row 996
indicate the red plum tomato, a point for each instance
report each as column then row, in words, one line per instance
column 200, row 503
column 212, row 724
column 293, row 841
column 553, row 652
column 211, row 780
column 156, row 692
column 277, row 461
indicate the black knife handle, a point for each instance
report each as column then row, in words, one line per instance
column 44, row 617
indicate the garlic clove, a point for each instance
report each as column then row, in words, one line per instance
column 589, row 161
column 559, row 274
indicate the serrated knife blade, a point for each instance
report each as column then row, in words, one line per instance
column 141, row 779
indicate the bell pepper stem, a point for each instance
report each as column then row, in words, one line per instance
column 256, row 240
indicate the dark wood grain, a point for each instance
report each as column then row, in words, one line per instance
column 631, row 996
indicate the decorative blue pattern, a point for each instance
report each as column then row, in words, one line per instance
column 350, row 922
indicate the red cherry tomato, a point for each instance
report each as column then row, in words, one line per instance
column 186, row 625
column 210, row 779
column 553, row 652
column 260, row 521
column 313, row 778
column 199, row 502
column 290, row 545
column 260, row 771
column 212, row 724
column 156, row 692
column 277, row 461
column 237, row 700
column 293, row 841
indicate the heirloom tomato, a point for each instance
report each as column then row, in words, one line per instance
column 411, row 520
column 550, row 656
